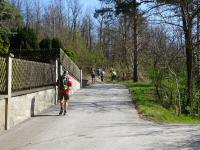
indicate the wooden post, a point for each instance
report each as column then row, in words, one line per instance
column 8, row 88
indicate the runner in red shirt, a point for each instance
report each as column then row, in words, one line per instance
column 64, row 86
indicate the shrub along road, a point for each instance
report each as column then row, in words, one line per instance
column 100, row 117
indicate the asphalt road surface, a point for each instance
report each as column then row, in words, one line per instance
column 100, row 117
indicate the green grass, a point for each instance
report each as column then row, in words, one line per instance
column 145, row 99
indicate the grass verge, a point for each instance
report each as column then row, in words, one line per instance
column 145, row 99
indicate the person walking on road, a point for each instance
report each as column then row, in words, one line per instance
column 64, row 86
column 93, row 74
column 102, row 75
column 113, row 74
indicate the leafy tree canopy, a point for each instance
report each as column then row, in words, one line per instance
column 9, row 13
column 4, row 40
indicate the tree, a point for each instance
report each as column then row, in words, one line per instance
column 184, row 11
column 128, row 7
column 9, row 15
column 37, row 19
column 61, row 18
column 86, row 30
column 9, row 18
column 75, row 11
column 17, row 3
column 198, row 44
column 4, row 40
column 25, row 38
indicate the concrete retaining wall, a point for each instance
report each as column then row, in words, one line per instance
column 24, row 106
column 2, row 114
column 76, row 85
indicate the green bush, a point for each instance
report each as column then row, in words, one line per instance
column 195, row 107
column 25, row 38
column 45, row 44
column 71, row 55
column 56, row 43
column 169, row 88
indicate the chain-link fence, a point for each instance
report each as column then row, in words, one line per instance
column 69, row 65
column 2, row 75
column 29, row 74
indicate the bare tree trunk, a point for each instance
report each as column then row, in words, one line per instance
column 135, row 48
column 38, row 16
column 89, row 32
column 76, row 10
column 198, row 40
column 187, row 26
column 100, row 33
column 60, row 15
column 28, row 14
column 125, row 43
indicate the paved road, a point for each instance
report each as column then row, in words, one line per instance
column 101, row 117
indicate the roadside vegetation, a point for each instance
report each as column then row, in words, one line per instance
column 148, row 106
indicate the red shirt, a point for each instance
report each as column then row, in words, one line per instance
column 69, row 83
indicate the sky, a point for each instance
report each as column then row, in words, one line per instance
column 87, row 4
column 90, row 4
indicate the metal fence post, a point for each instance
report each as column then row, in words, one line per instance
column 56, row 88
column 81, row 78
column 8, row 87
column 61, row 70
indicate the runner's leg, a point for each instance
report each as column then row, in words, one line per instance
column 66, row 103
column 61, row 103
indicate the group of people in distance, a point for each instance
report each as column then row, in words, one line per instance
column 97, row 72
column 100, row 73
